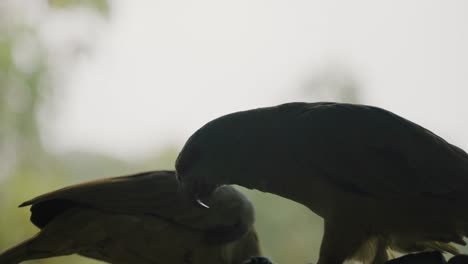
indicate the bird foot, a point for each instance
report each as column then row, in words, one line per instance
column 257, row 260
column 459, row 259
column 433, row 257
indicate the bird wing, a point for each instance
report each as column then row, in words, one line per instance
column 150, row 193
column 375, row 152
column 123, row 238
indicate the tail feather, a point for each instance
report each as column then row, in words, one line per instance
column 15, row 254
column 33, row 248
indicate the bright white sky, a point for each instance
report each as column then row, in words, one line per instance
column 161, row 69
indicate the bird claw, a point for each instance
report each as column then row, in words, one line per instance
column 433, row 257
column 459, row 259
column 257, row 260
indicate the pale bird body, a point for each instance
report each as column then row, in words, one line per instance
column 379, row 181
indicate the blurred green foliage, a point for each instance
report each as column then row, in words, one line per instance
column 101, row 6
column 20, row 96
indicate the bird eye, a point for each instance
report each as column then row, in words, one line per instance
column 186, row 158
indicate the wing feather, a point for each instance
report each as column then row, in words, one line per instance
column 382, row 154
column 155, row 193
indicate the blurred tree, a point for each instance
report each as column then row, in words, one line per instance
column 26, row 67
column 101, row 6
column 25, row 82
column 19, row 97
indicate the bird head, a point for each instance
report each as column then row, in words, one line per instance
column 233, row 149
column 204, row 162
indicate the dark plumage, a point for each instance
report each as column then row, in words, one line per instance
column 433, row 257
column 379, row 181
column 141, row 218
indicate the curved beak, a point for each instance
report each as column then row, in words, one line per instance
column 199, row 202
column 196, row 193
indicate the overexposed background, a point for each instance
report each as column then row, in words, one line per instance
column 161, row 69
column 101, row 88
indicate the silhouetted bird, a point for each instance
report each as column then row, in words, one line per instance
column 378, row 180
column 139, row 219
